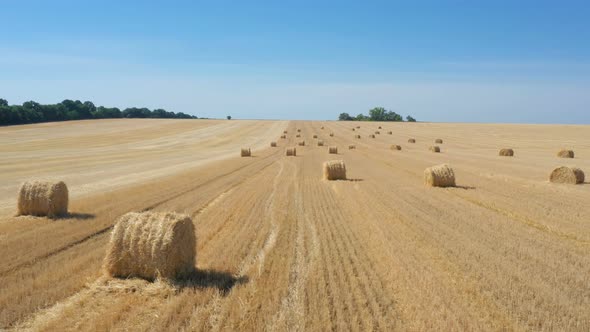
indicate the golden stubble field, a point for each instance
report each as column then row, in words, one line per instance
column 280, row 249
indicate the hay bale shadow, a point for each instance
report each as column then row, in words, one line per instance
column 222, row 280
column 465, row 187
column 76, row 215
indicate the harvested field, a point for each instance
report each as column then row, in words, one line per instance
column 280, row 249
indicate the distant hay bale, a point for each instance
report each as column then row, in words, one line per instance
column 301, row 143
column 565, row 154
column 351, row 147
column 438, row 141
column 246, row 152
column 358, row 127
column 151, row 245
column 298, row 135
column 390, row 132
column 357, row 136
column 435, row 149
column 283, row 136
column 43, row 198
column 291, row 152
column 322, row 127
column 411, row 140
column 378, row 132
column 334, row 170
column 273, row 144
column 395, row 147
column 380, row 127
column 353, row 129
column 315, row 136
column 320, row 143
column 298, row 130
column 569, row 175
column 372, row 136
column 284, row 131
column 506, row 153
column 333, row 150
column 439, row 176
column 331, row 134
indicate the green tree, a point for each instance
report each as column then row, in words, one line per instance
column 229, row 117
column 345, row 117
column 3, row 102
column 410, row 119
column 377, row 114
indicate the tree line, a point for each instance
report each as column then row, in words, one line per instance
column 376, row 114
column 33, row 112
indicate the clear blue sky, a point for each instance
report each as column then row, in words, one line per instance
column 466, row 61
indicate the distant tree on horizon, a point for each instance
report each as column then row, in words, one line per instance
column 229, row 117
column 376, row 114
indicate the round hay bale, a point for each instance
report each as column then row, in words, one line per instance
column 43, row 198
column 291, row 152
column 380, row 127
column 298, row 135
column 273, row 144
column 378, row 132
column 569, row 175
column 357, row 136
column 333, row 150
column 435, row 149
column 358, row 127
column 284, row 131
column 331, row 134
column 245, row 152
column 298, row 130
column 301, row 143
column 439, row 176
column 334, row 170
column 411, row 140
column 283, row 136
column 390, row 132
column 320, row 143
column 353, row 129
column 151, row 245
column 565, row 154
column 395, row 147
column 315, row 136
column 322, row 127
column 351, row 147
column 372, row 136
column 506, row 153
column 438, row 141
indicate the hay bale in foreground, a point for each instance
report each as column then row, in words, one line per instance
column 151, row 245
column 320, row 143
column 506, row 153
column 351, row 147
column 569, row 175
column 565, row 154
column 273, row 144
column 245, row 152
column 438, row 141
column 395, row 147
column 333, row 150
column 334, row 170
column 301, row 143
column 411, row 140
column 291, row 152
column 43, row 198
column 435, row 149
column 357, row 136
column 439, row 176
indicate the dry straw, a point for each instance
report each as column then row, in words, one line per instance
column 246, row 152
column 569, row 175
column 435, row 149
column 301, row 143
column 320, row 143
column 151, row 245
column 411, row 140
column 273, row 144
column 506, row 153
column 43, row 198
column 395, row 147
column 334, row 170
column 439, row 176
column 291, row 152
column 565, row 154
column 351, row 147
column 438, row 141
column 333, row 150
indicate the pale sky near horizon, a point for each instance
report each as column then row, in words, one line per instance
column 451, row 61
